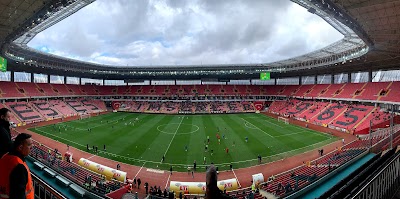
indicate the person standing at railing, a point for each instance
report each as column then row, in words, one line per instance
column 15, row 176
column 5, row 132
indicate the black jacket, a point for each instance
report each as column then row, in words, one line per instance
column 18, row 179
column 5, row 137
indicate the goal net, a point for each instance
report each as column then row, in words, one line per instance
column 283, row 119
column 85, row 116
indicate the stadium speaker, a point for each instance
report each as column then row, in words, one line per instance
column 311, row 10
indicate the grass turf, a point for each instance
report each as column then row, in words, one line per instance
column 144, row 142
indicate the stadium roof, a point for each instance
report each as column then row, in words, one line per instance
column 15, row 13
column 370, row 29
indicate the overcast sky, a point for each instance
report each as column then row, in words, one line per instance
column 179, row 32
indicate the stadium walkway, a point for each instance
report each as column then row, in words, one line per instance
column 325, row 186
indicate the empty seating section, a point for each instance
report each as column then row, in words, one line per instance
column 289, row 90
column 62, row 90
column 277, row 107
column 75, row 89
column 45, row 109
column 24, row 112
column 392, row 93
column 46, row 89
column 354, row 118
column 330, row 113
column 330, row 91
column 40, row 110
column 382, row 91
column 317, row 90
column 303, row 90
column 89, row 89
column 62, row 108
column 10, row 90
column 350, row 90
column 31, row 90
column 373, row 90
column 313, row 111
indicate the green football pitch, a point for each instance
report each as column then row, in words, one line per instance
column 143, row 139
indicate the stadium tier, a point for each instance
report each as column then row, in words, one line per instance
column 372, row 91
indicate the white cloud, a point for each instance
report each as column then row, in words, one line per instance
column 156, row 32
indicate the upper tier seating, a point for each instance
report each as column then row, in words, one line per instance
column 378, row 91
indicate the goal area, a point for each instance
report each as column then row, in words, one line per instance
column 283, row 119
column 85, row 116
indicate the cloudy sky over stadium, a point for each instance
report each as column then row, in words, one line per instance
column 186, row 32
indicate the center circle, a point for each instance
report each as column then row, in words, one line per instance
column 177, row 125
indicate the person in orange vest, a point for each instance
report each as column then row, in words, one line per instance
column 15, row 176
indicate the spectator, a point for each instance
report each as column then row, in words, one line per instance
column 5, row 132
column 251, row 195
column 16, row 181
column 171, row 195
column 212, row 190
column 159, row 191
column 165, row 193
column 138, row 183
column 146, row 187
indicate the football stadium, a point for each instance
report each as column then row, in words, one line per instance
column 200, row 99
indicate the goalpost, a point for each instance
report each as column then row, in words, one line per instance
column 85, row 116
column 283, row 119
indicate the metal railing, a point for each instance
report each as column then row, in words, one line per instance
column 384, row 184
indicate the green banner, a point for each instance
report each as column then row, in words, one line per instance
column 3, row 64
column 265, row 76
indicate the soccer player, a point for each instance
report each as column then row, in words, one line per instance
column 212, row 152
column 204, row 162
column 186, row 148
column 208, row 139
column 247, row 139
column 227, row 150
